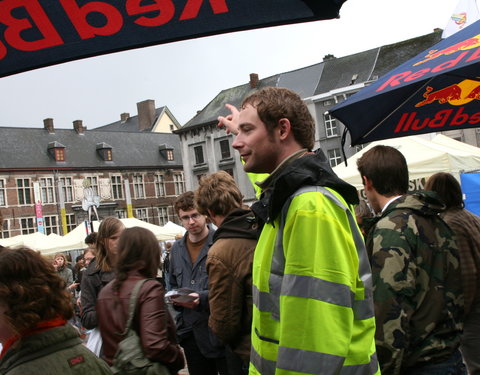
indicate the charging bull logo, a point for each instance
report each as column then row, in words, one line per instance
column 466, row 44
column 456, row 94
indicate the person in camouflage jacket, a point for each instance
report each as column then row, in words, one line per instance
column 415, row 270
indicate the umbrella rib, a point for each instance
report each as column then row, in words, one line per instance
column 396, row 109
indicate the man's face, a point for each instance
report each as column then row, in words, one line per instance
column 88, row 257
column 258, row 149
column 192, row 221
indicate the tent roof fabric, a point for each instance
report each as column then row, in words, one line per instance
column 74, row 240
column 424, row 157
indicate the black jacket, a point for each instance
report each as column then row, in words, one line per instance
column 93, row 280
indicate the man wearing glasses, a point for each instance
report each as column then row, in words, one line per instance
column 204, row 353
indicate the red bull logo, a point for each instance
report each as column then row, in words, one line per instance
column 460, row 18
column 466, row 44
column 456, row 94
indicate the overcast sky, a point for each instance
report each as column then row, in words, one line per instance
column 186, row 76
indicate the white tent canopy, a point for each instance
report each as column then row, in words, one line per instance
column 74, row 240
column 424, row 158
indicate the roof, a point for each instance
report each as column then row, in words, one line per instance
column 129, row 149
column 330, row 74
column 131, row 124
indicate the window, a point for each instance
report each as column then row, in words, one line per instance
column 225, row 149
column 47, row 190
column 121, row 214
column 169, row 155
column 67, row 188
column 59, row 154
column 108, row 155
column 162, row 215
column 198, row 151
column 50, row 224
column 3, row 193
column 138, row 187
column 334, row 157
column 93, row 183
column 330, row 126
column 179, row 183
column 27, row 225
column 159, row 182
column 24, row 191
column 71, row 222
column 230, row 172
column 117, row 187
column 5, row 232
column 142, row 214
column 359, row 147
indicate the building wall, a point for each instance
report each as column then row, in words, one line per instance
column 152, row 194
column 208, row 149
column 165, row 124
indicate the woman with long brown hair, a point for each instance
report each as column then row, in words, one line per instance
column 138, row 259
column 100, row 270
column 34, row 309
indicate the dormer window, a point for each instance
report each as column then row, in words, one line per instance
column 166, row 152
column 57, row 151
column 105, row 151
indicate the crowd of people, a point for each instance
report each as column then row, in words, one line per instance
column 308, row 280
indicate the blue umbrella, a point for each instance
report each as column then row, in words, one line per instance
column 437, row 90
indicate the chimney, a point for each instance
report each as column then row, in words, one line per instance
column 328, row 57
column 48, row 125
column 78, row 126
column 253, row 80
column 146, row 114
column 124, row 117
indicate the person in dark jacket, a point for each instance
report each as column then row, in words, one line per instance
column 229, row 266
column 138, row 258
column 415, row 272
column 466, row 227
column 204, row 353
column 34, row 309
column 100, row 270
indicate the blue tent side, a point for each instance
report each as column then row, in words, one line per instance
column 471, row 189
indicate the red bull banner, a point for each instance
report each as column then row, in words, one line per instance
column 37, row 33
column 438, row 90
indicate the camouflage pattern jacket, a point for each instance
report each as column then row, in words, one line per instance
column 417, row 285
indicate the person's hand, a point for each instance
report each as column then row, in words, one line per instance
column 73, row 286
column 229, row 122
column 190, row 304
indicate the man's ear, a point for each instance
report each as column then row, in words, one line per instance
column 211, row 214
column 367, row 183
column 284, row 128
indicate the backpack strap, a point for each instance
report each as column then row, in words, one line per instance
column 132, row 305
column 41, row 353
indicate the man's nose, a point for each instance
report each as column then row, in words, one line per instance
column 237, row 142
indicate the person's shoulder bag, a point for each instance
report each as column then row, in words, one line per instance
column 129, row 358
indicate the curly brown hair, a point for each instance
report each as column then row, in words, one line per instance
column 219, row 193
column 184, row 202
column 31, row 289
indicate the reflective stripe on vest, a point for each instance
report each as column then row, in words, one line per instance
column 309, row 362
column 312, row 287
